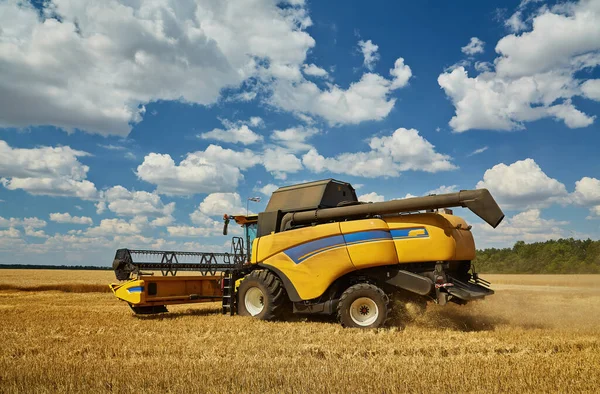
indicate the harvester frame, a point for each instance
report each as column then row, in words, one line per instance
column 317, row 250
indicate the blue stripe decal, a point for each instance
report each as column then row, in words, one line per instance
column 365, row 236
column 137, row 289
column 403, row 233
column 302, row 252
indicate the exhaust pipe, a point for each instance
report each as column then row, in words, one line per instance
column 479, row 201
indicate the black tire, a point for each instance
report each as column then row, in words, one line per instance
column 348, row 318
column 273, row 295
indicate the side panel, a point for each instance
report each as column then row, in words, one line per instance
column 369, row 243
column 431, row 237
column 311, row 258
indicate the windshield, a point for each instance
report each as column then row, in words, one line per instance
column 250, row 230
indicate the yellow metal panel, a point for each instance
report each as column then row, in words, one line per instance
column 169, row 290
column 315, row 274
column 431, row 237
column 369, row 243
column 132, row 291
column 275, row 243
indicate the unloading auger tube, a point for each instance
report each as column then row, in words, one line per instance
column 479, row 201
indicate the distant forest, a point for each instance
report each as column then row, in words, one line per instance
column 563, row 256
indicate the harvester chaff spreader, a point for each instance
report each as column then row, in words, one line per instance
column 317, row 250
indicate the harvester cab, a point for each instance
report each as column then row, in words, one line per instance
column 250, row 227
column 317, row 250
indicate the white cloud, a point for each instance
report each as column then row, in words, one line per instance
column 404, row 150
column 279, row 162
column 294, row 138
column 31, row 232
column 67, row 218
column 522, row 185
column 217, row 204
column 162, row 221
column 31, row 222
column 443, row 190
column 591, row 89
column 268, row 189
column 474, row 47
column 371, row 197
column 367, row 99
column 235, row 132
column 190, row 231
column 478, row 151
column 130, row 156
column 256, row 121
column 10, row 233
column 136, row 203
column 526, row 226
column 112, row 147
column 45, row 171
column 515, row 23
column 109, row 227
column 314, row 71
column 534, row 75
column 93, row 65
column 213, row 170
column 587, row 194
column 369, row 51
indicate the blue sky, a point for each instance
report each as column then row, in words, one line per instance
column 138, row 124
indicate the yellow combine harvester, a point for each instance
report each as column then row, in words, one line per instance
column 317, row 250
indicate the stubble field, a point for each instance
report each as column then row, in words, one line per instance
column 537, row 334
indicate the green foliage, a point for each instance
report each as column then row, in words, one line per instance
column 563, row 256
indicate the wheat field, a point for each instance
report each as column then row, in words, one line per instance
column 537, row 334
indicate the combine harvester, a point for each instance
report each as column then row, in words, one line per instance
column 317, row 250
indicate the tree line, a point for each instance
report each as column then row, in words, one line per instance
column 562, row 256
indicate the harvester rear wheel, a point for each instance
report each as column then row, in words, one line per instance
column 261, row 295
column 363, row 306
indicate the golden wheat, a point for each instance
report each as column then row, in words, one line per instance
column 535, row 338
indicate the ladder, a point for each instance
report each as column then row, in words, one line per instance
column 229, row 296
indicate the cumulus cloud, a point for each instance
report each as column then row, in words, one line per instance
column 235, row 132
column 267, row 189
column 93, row 65
column 591, row 89
column 137, row 203
column 404, row 150
column 31, row 222
column 294, row 138
column 367, row 99
column 213, row 170
column 535, row 75
column 371, row 197
column 369, row 51
column 279, row 162
column 474, row 47
column 587, row 194
column 528, row 226
column 45, row 171
column 109, row 227
column 522, row 185
column 67, row 218
column 217, row 204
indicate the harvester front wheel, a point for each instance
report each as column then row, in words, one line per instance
column 363, row 306
column 261, row 295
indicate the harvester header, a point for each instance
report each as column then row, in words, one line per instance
column 317, row 249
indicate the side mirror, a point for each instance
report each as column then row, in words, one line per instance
column 226, row 224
